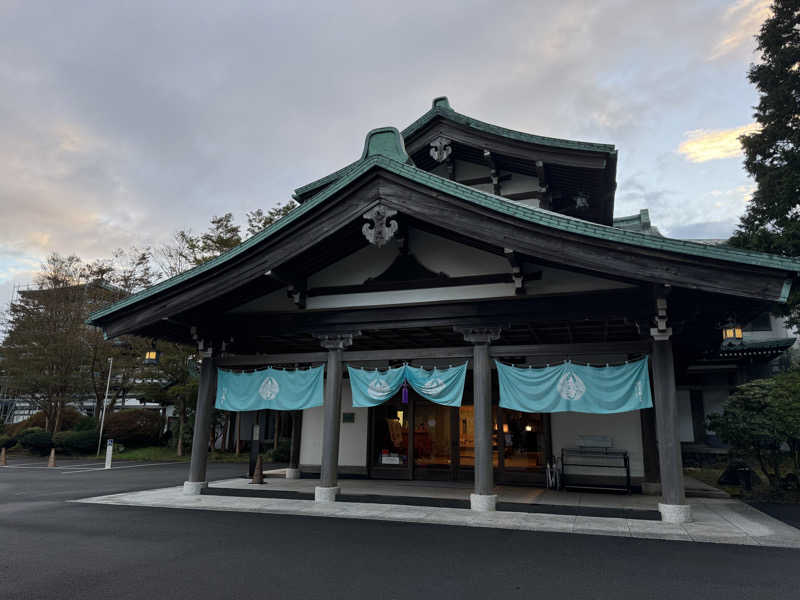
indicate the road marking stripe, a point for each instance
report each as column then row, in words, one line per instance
column 125, row 467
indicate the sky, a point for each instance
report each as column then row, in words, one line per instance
column 122, row 122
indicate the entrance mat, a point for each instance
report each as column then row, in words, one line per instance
column 551, row 509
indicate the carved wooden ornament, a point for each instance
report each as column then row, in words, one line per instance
column 381, row 231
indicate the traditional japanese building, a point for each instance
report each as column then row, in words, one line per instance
column 459, row 241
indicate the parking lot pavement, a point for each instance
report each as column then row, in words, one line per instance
column 59, row 549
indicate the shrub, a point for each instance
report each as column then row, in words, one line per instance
column 6, row 441
column 279, row 454
column 86, row 424
column 69, row 418
column 76, row 442
column 36, row 440
column 134, row 427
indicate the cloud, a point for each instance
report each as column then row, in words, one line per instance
column 703, row 145
column 743, row 20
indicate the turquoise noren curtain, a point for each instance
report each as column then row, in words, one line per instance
column 442, row 386
column 270, row 388
column 575, row 388
column 371, row 388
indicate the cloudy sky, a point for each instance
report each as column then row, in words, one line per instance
column 121, row 122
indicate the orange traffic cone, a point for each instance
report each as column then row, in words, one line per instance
column 258, row 473
column 51, row 462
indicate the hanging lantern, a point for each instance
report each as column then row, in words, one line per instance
column 404, row 398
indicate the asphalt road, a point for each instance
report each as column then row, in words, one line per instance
column 55, row 549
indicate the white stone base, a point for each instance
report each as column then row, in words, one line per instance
column 292, row 473
column 325, row 494
column 651, row 488
column 483, row 502
column 675, row 513
column 194, row 488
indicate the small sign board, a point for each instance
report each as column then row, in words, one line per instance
column 348, row 417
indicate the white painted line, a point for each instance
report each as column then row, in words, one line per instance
column 116, row 468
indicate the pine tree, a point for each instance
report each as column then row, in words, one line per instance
column 772, row 154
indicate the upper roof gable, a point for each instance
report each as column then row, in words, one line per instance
column 381, row 152
column 440, row 109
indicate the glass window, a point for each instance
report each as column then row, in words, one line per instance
column 466, row 424
column 391, row 433
column 524, row 439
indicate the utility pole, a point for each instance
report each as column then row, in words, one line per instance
column 105, row 402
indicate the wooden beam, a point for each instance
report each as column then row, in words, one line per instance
column 388, row 286
column 396, row 354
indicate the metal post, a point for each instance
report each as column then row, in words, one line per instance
column 328, row 487
column 109, row 452
column 105, row 401
column 673, row 507
column 202, row 424
column 483, row 499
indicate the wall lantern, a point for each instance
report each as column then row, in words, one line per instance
column 731, row 333
column 151, row 357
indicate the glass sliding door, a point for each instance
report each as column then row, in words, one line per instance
column 432, row 436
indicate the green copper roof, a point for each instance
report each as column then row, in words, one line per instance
column 380, row 153
column 441, row 108
column 752, row 346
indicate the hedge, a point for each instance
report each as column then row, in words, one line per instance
column 6, row 441
column 36, row 440
column 70, row 417
column 76, row 442
column 134, row 427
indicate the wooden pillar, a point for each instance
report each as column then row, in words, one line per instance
column 206, row 395
column 673, row 507
column 483, row 499
column 334, row 344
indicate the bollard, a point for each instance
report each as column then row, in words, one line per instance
column 258, row 472
column 51, row 462
column 109, row 452
column 3, row 462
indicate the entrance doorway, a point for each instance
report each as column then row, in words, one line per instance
column 421, row 440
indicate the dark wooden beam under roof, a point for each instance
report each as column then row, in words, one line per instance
column 605, row 258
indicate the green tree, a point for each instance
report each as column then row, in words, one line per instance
column 772, row 154
column 761, row 418
column 257, row 219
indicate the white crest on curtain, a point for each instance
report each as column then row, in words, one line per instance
column 570, row 386
column 269, row 388
column 378, row 389
column 434, row 386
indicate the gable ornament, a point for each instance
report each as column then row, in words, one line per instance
column 383, row 227
column 440, row 149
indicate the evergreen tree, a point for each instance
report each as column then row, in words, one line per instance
column 772, row 154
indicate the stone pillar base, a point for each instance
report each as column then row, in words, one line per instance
column 194, row 488
column 325, row 494
column 483, row 502
column 292, row 473
column 675, row 513
column 651, row 488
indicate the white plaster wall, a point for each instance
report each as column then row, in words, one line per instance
column 352, row 436
column 440, row 256
column 624, row 429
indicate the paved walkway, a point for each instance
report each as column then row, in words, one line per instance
column 716, row 520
